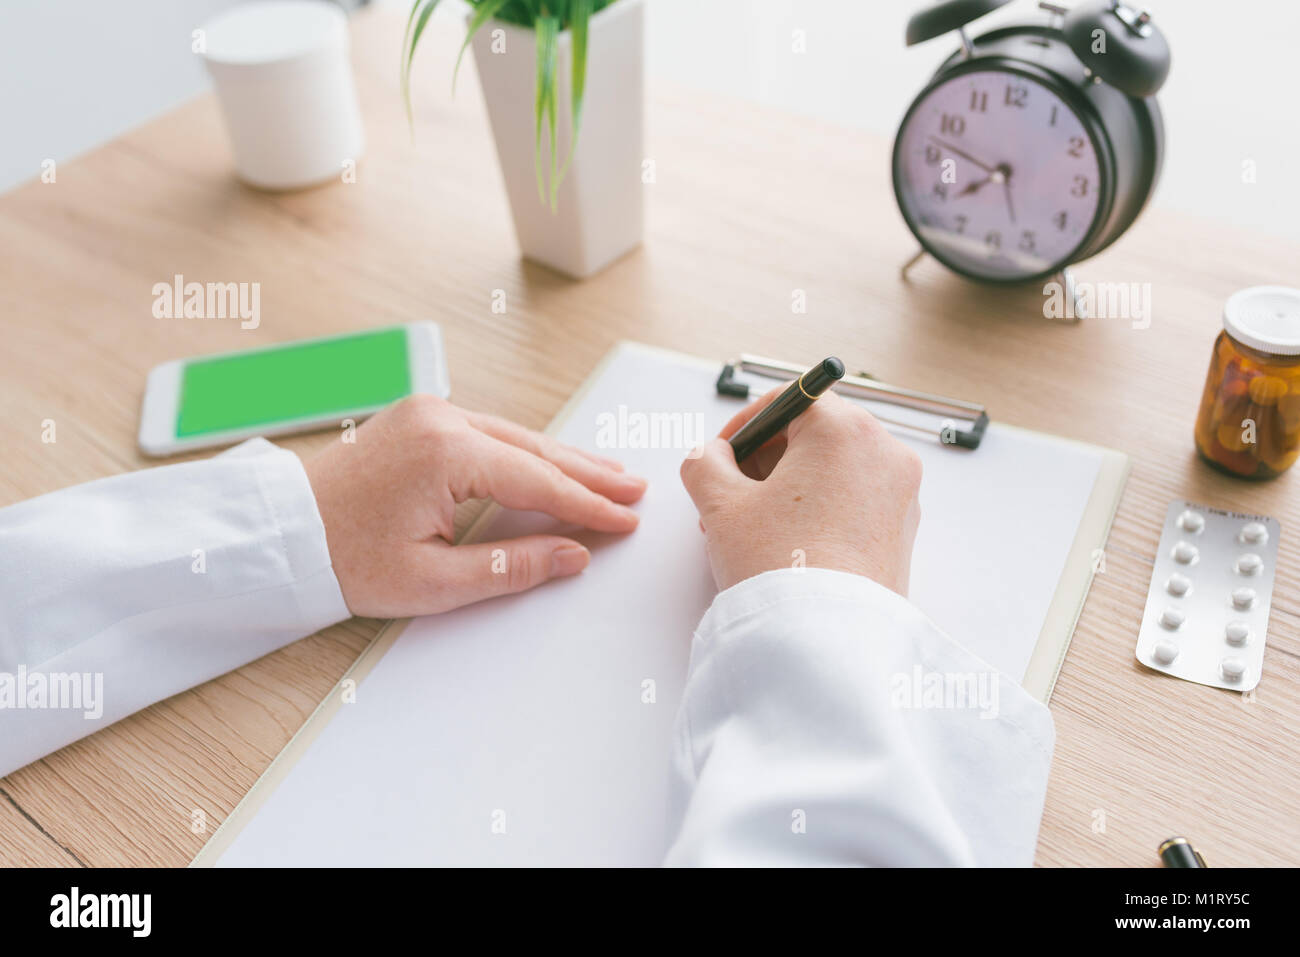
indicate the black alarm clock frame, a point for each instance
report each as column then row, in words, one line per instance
column 1111, row 91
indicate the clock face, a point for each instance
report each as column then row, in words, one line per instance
column 997, row 175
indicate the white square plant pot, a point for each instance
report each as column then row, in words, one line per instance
column 600, row 208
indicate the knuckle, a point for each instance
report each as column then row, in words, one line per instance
column 519, row 569
column 554, row 475
column 557, row 486
column 863, row 420
column 689, row 466
column 429, row 416
column 910, row 466
column 422, row 404
column 854, row 420
column 701, row 461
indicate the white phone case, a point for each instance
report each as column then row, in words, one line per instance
column 428, row 368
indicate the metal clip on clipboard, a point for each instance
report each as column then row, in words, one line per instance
column 946, row 409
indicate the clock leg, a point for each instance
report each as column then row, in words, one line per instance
column 967, row 49
column 920, row 254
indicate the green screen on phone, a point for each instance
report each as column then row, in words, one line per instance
column 297, row 381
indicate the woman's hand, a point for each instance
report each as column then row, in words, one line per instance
column 835, row 490
column 388, row 503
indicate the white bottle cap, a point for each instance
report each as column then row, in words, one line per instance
column 1265, row 318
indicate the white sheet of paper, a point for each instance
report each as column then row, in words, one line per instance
column 518, row 731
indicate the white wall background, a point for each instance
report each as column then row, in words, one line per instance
column 74, row 73
column 1233, row 93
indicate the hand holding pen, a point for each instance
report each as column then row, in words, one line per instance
column 830, row 489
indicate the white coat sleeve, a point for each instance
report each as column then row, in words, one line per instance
column 825, row 720
column 123, row 591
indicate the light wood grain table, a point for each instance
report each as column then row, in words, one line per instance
column 748, row 206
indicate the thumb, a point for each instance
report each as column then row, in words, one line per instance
column 710, row 471
column 471, row 573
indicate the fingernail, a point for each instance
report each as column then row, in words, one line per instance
column 569, row 560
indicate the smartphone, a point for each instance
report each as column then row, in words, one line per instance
column 292, row 387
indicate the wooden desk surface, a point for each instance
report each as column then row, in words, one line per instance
column 749, row 205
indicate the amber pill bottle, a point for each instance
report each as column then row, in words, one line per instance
column 1249, row 422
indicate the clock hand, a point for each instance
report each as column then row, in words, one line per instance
column 966, row 156
column 1003, row 175
column 973, row 187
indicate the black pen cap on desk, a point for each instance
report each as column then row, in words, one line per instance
column 1178, row 852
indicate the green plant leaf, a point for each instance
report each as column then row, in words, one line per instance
column 406, row 34
column 402, row 66
column 579, row 15
column 430, row 6
column 553, row 111
column 548, row 18
column 548, row 28
column 483, row 12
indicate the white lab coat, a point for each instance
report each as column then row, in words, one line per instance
column 793, row 745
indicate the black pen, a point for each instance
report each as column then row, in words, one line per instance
column 1178, row 852
column 798, row 396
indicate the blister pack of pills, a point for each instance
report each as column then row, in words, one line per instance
column 1207, row 608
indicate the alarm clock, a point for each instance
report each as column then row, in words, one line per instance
column 1033, row 146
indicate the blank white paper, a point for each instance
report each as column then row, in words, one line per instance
column 519, row 731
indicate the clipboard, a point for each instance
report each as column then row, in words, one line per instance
column 281, row 818
column 958, row 423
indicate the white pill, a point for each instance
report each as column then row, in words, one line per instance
column 1249, row 564
column 1191, row 521
column 1164, row 651
column 1172, row 618
column 1237, row 632
column 1185, row 553
column 1178, row 585
column 1254, row 533
column 1232, row 667
column 1243, row 597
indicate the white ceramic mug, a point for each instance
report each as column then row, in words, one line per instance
column 283, row 75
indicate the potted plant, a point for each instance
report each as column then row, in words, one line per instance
column 548, row 68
